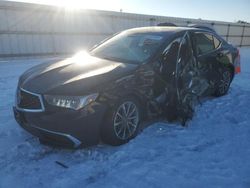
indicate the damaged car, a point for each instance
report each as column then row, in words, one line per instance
column 106, row 93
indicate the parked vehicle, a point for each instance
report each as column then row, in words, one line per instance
column 137, row 74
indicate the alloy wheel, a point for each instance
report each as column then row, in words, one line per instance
column 126, row 120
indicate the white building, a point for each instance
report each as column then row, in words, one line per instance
column 31, row 29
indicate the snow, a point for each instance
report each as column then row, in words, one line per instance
column 213, row 151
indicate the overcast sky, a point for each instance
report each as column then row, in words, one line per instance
column 223, row 10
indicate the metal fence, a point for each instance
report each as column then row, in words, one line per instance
column 30, row 29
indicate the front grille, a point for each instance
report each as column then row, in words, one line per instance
column 29, row 101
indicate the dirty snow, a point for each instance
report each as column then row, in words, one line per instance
column 213, row 151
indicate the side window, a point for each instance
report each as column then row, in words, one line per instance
column 186, row 52
column 170, row 55
column 204, row 43
column 171, row 52
column 216, row 42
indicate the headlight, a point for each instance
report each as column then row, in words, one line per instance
column 73, row 102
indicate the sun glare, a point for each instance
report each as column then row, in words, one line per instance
column 73, row 5
column 112, row 5
column 83, row 4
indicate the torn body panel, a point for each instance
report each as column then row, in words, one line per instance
column 184, row 78
column 171, row 87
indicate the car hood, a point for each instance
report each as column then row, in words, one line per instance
column 79, row 75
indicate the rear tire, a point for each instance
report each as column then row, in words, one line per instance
column 223, row 84
column 122, row 122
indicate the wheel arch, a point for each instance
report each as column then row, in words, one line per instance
column 141, row 102
column 109, row 115
column 111, row 102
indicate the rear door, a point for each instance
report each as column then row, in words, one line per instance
column 209, row 54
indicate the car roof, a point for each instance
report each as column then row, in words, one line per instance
column 163, row 29
column 171, row 30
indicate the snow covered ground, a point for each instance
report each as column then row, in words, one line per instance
column 213, row 151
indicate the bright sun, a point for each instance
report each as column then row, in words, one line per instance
column 74, row 4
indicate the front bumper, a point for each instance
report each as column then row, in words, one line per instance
column 63, row 127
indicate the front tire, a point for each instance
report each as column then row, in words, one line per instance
column 224, row 82
column 122, row 122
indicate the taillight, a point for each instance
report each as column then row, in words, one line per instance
column 237, row 63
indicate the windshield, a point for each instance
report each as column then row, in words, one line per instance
column 131, row 48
